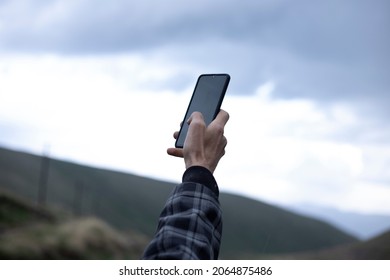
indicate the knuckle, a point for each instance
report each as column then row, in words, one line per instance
column 219, row 129
column 197, row 115
column 199, row 123
column 198, row 126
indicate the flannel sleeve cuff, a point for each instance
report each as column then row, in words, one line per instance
column 201, row 175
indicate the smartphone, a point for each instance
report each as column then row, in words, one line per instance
column 207, row 99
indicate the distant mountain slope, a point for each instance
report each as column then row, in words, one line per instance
column 364, row 226
column 131, row 202
column 377, row 248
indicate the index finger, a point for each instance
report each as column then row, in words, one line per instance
column 195, row 133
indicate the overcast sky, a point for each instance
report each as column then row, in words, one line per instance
column 107, row 83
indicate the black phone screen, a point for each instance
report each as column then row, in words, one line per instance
column 207, row 99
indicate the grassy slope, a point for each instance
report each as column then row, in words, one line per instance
column 30, row 232
column 132, row 202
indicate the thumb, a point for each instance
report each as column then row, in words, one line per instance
column 175, row 152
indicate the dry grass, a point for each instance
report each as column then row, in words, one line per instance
column 87, row 238
column 28, row 232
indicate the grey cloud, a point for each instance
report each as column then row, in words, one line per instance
column 110, row 26
column 331, row 29
column 326, row 50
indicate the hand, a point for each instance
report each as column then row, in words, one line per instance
column 204, row 146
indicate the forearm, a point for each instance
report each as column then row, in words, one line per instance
column 190, row 224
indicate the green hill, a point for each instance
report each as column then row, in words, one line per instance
column 377, row 248
column 263, row 228
column 129, row 202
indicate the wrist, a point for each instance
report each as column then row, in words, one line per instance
column 198, row 164
column 190, row 162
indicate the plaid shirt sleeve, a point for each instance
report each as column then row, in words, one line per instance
column 190, row 225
